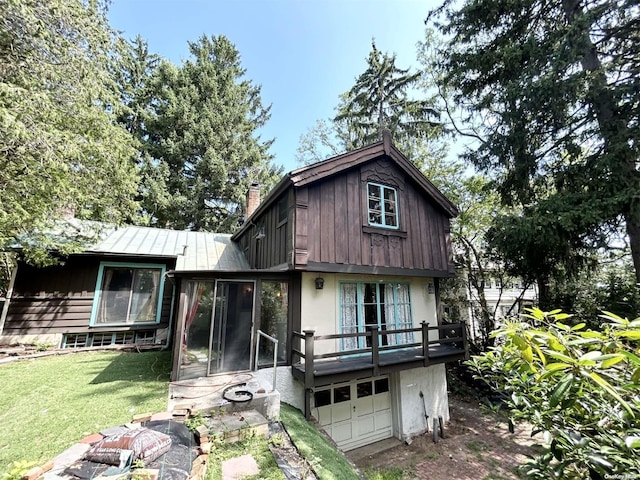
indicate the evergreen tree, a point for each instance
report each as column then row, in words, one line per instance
column 380, row 99
column 133, row 69
column 201, row 142
column 60, row 147
column 558, row 84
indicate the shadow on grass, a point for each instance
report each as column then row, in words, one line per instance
column 136, row 367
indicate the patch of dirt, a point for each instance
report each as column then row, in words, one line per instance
column 477, row 446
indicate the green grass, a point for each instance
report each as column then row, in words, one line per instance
column 257, row 446
column 392, row 473
column 326, row 461
column 48, row 404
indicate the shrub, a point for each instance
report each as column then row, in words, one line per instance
column 578, row 388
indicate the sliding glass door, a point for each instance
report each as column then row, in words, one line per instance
column 218, row 328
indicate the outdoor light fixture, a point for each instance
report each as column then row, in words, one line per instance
column 431, row 288
column 319, row 283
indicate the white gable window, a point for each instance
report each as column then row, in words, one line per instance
column 128, row 294
column 382, row 206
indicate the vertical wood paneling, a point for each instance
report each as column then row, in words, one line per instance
column 379, row 250
column 354, row 219
column 341, row 220
column 334, row 229
column 414, row 232
column 302, row 227
column 427, row 230
column 395, row 245
column 365, row 238
column 327, row 222
column 272, row 249
column 313, row 216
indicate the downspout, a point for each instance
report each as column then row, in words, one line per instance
column 5, row 307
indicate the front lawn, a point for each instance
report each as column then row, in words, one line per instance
column 48, row 404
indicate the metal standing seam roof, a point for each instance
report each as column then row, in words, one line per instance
column 194, row 251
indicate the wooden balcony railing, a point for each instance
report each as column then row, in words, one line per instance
column 450, row 344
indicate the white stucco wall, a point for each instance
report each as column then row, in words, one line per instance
column 291, row 391
column 408, row 406
column 320, row 312
column 320, row 308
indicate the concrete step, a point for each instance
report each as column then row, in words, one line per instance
column 238, row 426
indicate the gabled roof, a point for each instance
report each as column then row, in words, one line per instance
column 335, row 165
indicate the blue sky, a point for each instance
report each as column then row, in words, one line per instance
column 304, row 53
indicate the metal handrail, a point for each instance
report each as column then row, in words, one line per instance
column 275, row 355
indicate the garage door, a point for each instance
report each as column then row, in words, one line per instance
column 355, row 414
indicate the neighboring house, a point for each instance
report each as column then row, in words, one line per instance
column 504, row 297
column 340, row 263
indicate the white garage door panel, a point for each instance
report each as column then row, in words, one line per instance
column 342, row 432
column 381, row 402
column 366, row 425
column 355, row 414
column 323, row 415
column 341, row 412
column 383, row 420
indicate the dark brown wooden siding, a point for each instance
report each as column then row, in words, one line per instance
column 59, row 299
column 332, row 224
column 268, row 241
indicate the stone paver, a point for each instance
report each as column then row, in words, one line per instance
column 239, row 467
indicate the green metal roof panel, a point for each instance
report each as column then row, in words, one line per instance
column 193, row 250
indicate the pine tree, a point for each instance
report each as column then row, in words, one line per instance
column 380, row 100
column 558, row 84
column 201, row 142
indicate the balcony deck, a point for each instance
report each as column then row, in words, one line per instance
column 317, row 370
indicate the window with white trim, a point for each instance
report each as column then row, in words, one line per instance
column 383, row 305
column 128, row 294
column 382, row 206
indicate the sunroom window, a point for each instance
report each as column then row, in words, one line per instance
column 128, row 294
column 382, row 206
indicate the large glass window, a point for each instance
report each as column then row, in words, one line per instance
column 382, row 205
column 383, row 305
column 274, row 315
column 128, row 294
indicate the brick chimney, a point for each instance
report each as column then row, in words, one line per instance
column 253, row 198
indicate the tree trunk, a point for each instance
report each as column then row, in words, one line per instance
column 633, row 231
column 614, row 131
column 544, row 294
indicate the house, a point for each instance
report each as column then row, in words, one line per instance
column 332, row 281
column 502, row 295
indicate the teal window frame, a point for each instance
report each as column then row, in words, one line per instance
column 382, row 210
column 360, row 304
column 98, row 292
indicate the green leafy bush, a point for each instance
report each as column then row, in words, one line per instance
column 578, row 388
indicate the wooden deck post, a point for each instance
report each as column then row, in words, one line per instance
column 308, row 371
column 425, row 342
column 465, row 345
column 308, row 358
column 375, row 352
